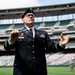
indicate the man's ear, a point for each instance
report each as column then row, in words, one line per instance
column 22, row 19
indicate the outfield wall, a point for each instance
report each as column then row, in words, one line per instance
column 53, row 59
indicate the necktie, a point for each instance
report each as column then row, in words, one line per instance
column 31, row 33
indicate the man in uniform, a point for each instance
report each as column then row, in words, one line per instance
column 30, row 47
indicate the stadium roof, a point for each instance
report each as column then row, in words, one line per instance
column 41, row 11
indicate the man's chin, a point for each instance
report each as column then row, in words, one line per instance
column 31, row 23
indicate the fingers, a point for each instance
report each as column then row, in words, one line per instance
column 61, row 36
column 64, row 38
column 14, row 34
column 68, row 37
column 15, row 31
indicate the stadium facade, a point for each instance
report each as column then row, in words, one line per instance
column 54, row 27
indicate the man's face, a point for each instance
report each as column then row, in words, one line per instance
column 28, row 19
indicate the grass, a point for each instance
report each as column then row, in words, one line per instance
column 51, row 71
column 59, row 71
column 6, row 70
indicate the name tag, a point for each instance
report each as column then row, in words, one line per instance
column 21, row 37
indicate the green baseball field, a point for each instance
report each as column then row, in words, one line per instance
column 51, row 71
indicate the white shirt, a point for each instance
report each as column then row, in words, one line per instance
column 33, row 30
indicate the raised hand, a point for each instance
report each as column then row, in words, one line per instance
column 14, row 35
column 64, row 40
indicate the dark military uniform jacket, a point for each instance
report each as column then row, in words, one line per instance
column 30, row 52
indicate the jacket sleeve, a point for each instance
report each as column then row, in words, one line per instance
column 8, row 46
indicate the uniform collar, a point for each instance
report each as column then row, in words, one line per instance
column 30, row 28
column 35, row 31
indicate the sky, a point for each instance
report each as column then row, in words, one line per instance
column 10, row 4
